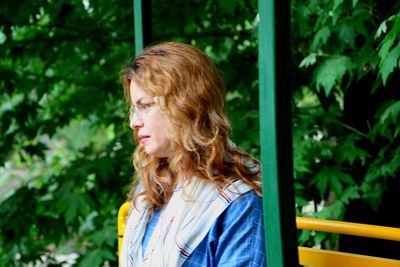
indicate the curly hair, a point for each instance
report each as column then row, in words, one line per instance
column 193, row 91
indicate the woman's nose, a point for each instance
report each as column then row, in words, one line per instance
column 135, row 121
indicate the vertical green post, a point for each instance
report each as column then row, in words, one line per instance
column 143, row 25
column 138, row 22
column 276, row 134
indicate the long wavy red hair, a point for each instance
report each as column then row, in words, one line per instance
column 193, row 91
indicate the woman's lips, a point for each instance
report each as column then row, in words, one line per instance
column 144, row 138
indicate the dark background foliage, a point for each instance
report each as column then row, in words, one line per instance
column 65, row 144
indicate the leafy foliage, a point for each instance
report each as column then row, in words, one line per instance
column 342, row 153
column 65, row 146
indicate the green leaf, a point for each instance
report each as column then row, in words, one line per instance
column 319, row 237
column 345, row 178
column 301, row 201
column 8, row 103
column 331, row 177
column 392, row 112
column 308, row 60
column 335, row 185
column 389, row 56
column 385, row 47
column 321, row 180
column 332, row 71
column 337, row 3
column 304, row 236
column 92, row 259
column 381, row 29
column 228, row 6
column 347, row 34
column 389, row 63
column 350, row 193
column 301, row 164
column 105, row 235
column 74, row 204
column 396, row 130
column 348, row 151
column 321, row 37
column 331, row 212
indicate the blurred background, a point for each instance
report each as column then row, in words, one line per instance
column 65, row 147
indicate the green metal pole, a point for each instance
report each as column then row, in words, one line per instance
column 143, row 24
column 138, row 22
column 276, row 135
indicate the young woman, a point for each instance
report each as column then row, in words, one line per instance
column 197, row 197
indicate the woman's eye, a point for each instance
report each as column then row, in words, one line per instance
column 145, row 107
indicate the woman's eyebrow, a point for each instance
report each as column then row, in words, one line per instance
column 141, row 100
column 138, row 101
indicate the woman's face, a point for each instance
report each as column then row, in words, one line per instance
column 149, row 122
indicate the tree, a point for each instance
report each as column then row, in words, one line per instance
column 65, row 140
column 346, row 107
column 64, row 137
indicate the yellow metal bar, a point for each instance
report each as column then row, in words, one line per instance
column 357, row 229
column 326, row 258
column 122, row 216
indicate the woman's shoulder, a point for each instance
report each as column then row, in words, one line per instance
column 249, row 200
column 237, row 236
column 245, row 208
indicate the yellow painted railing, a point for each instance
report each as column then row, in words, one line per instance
column 319, row 257
column 326, row 258
column 357, row 229
column 122, row 216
